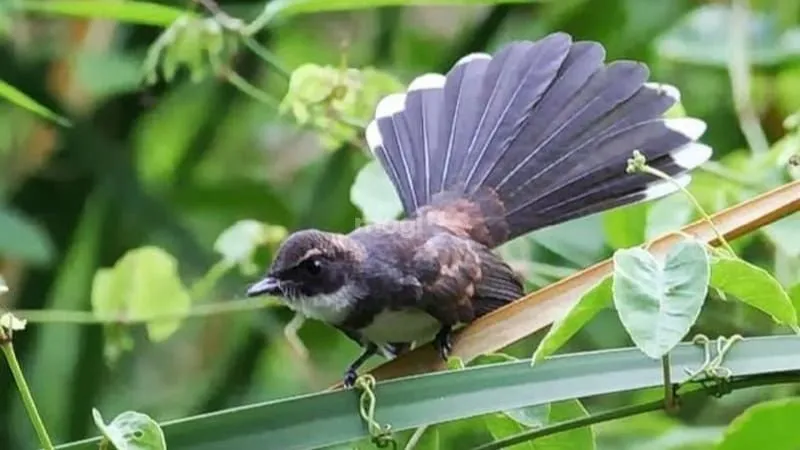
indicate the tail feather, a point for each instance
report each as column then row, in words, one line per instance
column 461, row 114
column 522, row 80
column 537, row 134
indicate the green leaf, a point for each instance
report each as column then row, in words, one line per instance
column 430, row 439
column 444, row 396
column 23, row 239
column 770, row 424
column 22, row 100
column 501, row 426
column 142, row 13
column 142, row 284
column 625, row 227
column 286, row 8
column 658, row 302
column 374, row 195
column 754, row 286
column 560, row 239
column 794, row 296
column 131, row 431
column 592, row 302
column 582, row 438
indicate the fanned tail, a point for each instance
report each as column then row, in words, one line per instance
column 538, row 134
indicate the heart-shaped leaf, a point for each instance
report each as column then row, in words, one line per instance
column 754, row 286
column 131, row 431
column 658, row 302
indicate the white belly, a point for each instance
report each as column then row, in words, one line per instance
column 401, row 326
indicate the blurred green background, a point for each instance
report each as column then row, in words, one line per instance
column 175, row 164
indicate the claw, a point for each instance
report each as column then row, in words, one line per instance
column 350, row 378
column 444, row 343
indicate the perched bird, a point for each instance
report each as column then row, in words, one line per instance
column 535, row 135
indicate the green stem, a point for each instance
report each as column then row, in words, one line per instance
column 25, row 392
column 572, row 424
column 266, row 56
column 698, row 207
column 88, row 317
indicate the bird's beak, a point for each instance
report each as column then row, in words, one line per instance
column 267, row 286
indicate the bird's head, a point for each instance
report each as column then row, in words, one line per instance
column 309, row 263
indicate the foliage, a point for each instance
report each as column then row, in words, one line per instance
column 190, row 142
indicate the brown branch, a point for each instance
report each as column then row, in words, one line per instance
column 539, row 309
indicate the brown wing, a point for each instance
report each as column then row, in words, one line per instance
column 462, row 279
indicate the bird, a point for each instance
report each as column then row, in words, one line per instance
column 534, row 135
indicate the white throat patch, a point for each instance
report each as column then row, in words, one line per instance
column 332, row 308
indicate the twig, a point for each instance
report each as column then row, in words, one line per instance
column 739, row 73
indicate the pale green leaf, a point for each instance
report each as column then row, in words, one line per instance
column 143, row 284
column 22, row 100
column 754, row 286
column 131, row 431
column 768, row 425
column 142, row 13
column 658, row 302
column 592, row 302
column 785, row 234
column 238, row 243
column 530, row 417
column 23, row 239
column 667, row 215
column 372, row 192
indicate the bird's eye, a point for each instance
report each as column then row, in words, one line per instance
column 312, row 266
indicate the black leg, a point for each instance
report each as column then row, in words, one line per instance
column 351, row 375
column 443, row 342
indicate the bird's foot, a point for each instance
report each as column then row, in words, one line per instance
column 443, row 342
column 350, row 378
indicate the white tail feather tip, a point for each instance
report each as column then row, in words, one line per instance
column 667, row 89
column 427, row 81
column 390, row 105
column 374, row 139
column 691, row 155
column 473, row 57
column 688, row 126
